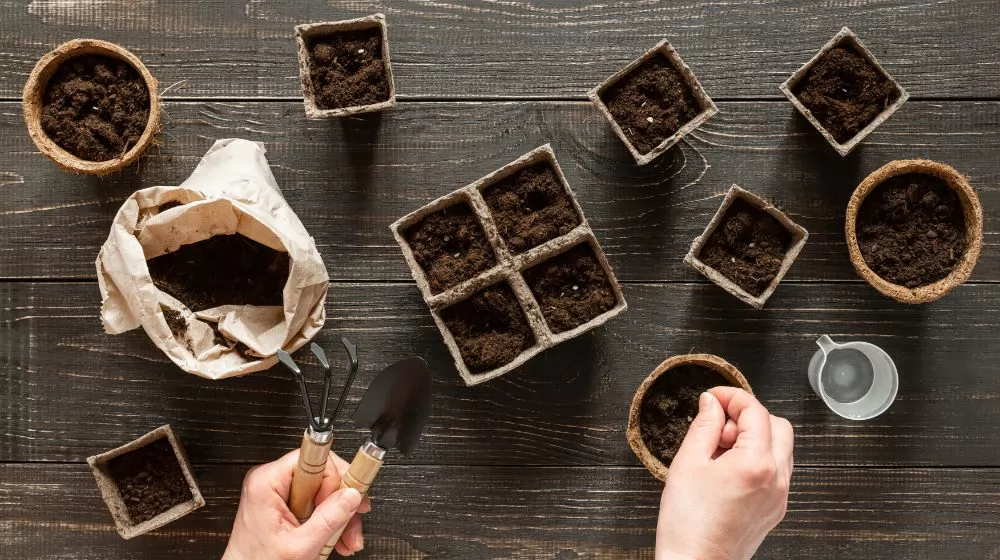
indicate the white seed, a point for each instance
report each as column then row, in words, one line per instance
column 457, row 254
column 732, row 259
column 575, row 288
column 361, row 51
column 649, row 119
column 752, row 245
column 447, row 239
column 643, row 104
column 690, row 419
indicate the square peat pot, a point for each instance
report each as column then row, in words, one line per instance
column 348, row 38
column 147, row 482
column 822, row 78
column 526, row 216
column 640, row 127
column 747, row 229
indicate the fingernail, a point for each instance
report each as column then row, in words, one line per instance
column 705, row 401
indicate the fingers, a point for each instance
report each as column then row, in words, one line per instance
column 335, row 469
column 353, row 539
column 753, row 422
column 729, row 433
column 280, row 473
column 702, row 439
column 782, row 443
column 330, row 517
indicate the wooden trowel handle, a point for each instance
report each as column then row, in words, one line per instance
column 359, row 476
column 308, row 475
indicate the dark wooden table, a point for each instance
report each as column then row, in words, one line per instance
column 535, row 464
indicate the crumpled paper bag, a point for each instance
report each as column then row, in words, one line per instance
column 231, row 191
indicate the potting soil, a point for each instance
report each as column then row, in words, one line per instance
column 176, row 322
column 149, row 480
column 571, row 288
column 911, row 230
column 490, row 328
column 222, row 270
column 651, row 103
column 450, row 246
column 845, row 92
column 347, row 69
column 531, row 207
column 748, row 247
column 95, row 107
column 669, row 406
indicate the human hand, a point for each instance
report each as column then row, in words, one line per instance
column 728, row 485
column 265, row 528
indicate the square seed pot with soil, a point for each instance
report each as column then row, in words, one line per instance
column 515, row 219
column 844, row 92
column 146, row 483
column 748, row 247
column 344, row 67
column 653, row 102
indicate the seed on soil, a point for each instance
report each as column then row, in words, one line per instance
column 149, row 480
column 571, row 288
column 450, row 246
column 911, row 230
column 845, row 92
column 95, row 107
column 531, row 206
column 670, row 405
column 347, row 69
column 490, row 328
column 652, row 102
column 222, row 270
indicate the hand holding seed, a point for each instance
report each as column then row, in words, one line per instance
column 727, row 488
column 265, row 528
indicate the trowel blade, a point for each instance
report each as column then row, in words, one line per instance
column 397, row 404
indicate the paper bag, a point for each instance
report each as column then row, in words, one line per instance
column 231, row 191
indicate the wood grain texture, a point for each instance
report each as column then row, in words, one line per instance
column 54, row 511
column 70, row 391
column 547, row 48
column 349, row 180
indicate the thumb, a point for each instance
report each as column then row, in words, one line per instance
column 330, row 517
column 702, row 439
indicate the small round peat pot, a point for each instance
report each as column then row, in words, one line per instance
column 914, row 230
column 667, row 401
column 105, row 120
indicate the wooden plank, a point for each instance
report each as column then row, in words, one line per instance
column 70, row 391
column 349, row 180
column 483, row 48
column 55, row 511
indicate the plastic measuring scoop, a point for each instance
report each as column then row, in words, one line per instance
column 856, row 380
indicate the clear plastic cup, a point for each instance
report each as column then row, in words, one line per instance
column 856, row 380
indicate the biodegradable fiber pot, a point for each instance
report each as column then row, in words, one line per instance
column 34, row 91
column 127, row 481
column 971, row 209
column 634, row 434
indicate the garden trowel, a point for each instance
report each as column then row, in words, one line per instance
column 395, row 408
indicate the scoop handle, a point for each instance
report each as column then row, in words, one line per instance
column 360, row 476
column 308, row 475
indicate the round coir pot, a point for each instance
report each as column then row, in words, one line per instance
column 34, row 91
column 972, row 211
column 669, row 366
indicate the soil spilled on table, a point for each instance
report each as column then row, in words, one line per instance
column 748, row 247
column 95, row 107
column 490, row 328
column 450, row 246
column 531, row 207
column 222, row 270
column 149, row 480
column 669, row 406
column 845, row 92
column 347, row 69
column 651, row 103
column 571, row 288
column 911, row 230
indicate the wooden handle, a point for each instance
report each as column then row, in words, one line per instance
column 308, row 476
column 359, row 476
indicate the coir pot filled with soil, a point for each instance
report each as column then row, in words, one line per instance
column 914, row 230
column 344, row 67
column 844, row 92
column 91, row 106
column 509, row 266
column 666, row 402
column 653, row 102
column 748, row 247
column 147, row 483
